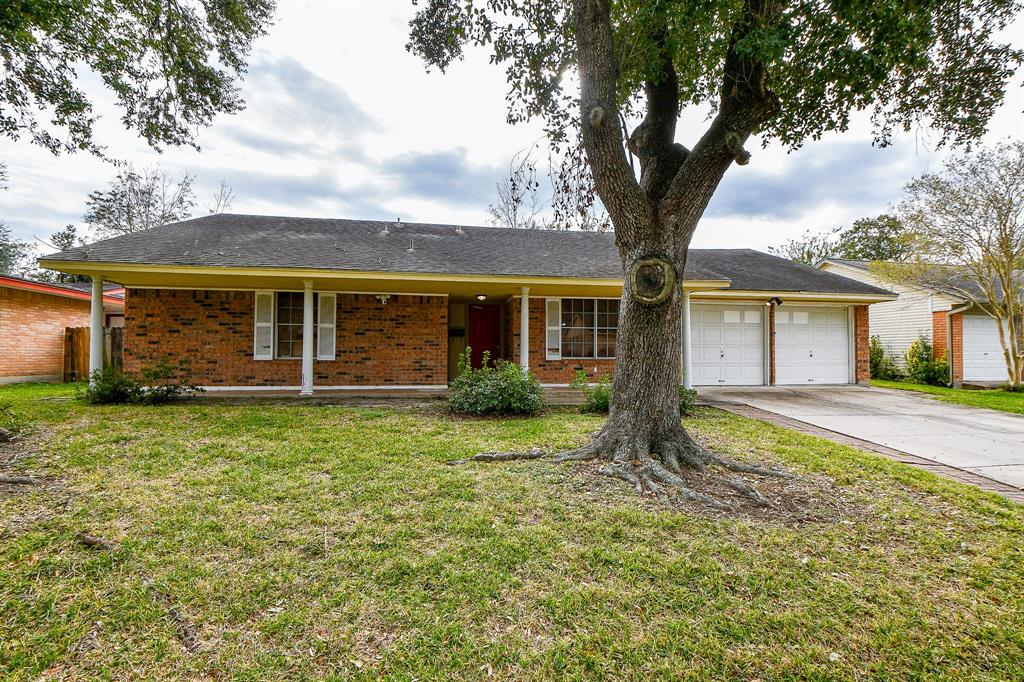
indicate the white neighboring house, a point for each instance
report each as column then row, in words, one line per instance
column 938, row 315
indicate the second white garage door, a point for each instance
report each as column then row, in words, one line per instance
column 728, row 345
column 983, row 356
column 812, row 345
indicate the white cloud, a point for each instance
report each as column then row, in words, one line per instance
column 342, row 121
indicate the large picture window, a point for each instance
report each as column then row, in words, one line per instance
column 588, row 327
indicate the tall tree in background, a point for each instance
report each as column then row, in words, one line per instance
column 967, row 235
column 62, row 240
column 522, row 204
column 788, row 71
column 223, row 199
column 14, row 253
column 172, row 66
column 881, row 238
column 809, row 248
column 519, row 202
column 139, row 200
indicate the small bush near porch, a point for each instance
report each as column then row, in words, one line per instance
column 269, row 541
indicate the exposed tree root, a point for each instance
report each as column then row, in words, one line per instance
column 93, row 542
column 18, row 480
column 657, row 470
column 532, row 453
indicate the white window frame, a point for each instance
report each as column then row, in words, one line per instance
column 256, row 354
column 321, row 298
column 322, row 326
column 555, row 326
column 277, row 295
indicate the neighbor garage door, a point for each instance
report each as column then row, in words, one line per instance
column 812, row 345
column 728, row 345
column 983, row 356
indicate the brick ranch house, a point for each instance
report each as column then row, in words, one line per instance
column 33, row 317
column 254, row 302
column 956, row 328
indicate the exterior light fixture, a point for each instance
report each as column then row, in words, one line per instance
column 383, row 298
column 776, row 300
column 481, row 297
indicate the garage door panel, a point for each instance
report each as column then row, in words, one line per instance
column 812, row 346
column 732, row 335
column 728, row 345
column 983, row 355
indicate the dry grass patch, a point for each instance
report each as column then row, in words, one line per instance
column 326, row 541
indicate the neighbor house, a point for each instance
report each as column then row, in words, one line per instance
column 255, row 302
column 33, row 317
column 955, row 327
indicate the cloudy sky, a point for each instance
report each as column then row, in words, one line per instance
column 343, row 122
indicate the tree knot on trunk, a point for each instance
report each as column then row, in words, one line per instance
column 652, row 279
column 596, row 117
column 734, row 143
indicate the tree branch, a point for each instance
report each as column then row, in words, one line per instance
column 653, row 141
column 602, row 136
column 745, row 104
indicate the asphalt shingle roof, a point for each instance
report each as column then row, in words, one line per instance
column 228, row 240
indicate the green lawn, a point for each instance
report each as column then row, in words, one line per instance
column 994, row 399
column 269, row 541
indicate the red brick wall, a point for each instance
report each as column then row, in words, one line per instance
column 546, row 371
column 862, row 344
column 404, row 342
column 32, row 332
column 941, row 345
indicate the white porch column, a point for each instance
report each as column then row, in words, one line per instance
column 685, row 342
column 524, row 328
column 307, row 338
column 96, row 326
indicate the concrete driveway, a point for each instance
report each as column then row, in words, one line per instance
column 984, row 442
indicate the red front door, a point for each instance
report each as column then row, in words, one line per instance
column 483, row 333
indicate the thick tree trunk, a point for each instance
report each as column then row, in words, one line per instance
column 643, row 441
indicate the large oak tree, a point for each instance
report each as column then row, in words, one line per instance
column 783, row 70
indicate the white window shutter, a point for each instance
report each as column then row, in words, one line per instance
column 326, row 327
column 263, row 338
column 553, row 340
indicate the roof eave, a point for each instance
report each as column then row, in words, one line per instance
column 110, row 270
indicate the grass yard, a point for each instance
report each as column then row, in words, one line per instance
column 992, row 399
column 269, row 541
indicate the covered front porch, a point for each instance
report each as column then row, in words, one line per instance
column 278, row 332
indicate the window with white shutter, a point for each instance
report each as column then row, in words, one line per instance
column 263, row 338
column 327, row 323
column 553, row 336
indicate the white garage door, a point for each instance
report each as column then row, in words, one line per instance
column 812, row 345
column 728, row 345
column 983, row 356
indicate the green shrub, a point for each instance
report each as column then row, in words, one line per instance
column 597, row 399
column 882, row 364
column 161, row 386
column 503, row 388
column 922, row 365
column 687, row 400
column 109, row 386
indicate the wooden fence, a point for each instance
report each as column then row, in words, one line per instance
column 76, row 351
